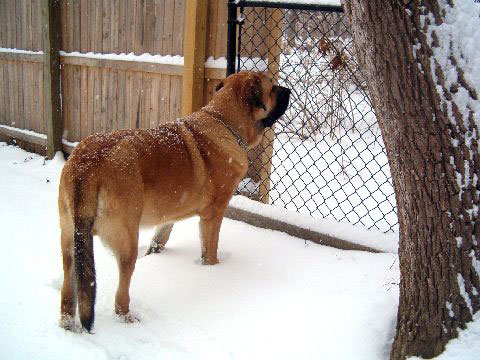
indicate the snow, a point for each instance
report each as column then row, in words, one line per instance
column 449, row 307
column 24, row 131
column 248, row 63
column 466, row 346
column 343, row 230
column 157, row 59
column 68, row 143
column 457, row 37
column 459, row 241
column 475, row 262
column 464, row 293
column 19, row 51
column 219, row 63
column 271, row 296
column 216, row 63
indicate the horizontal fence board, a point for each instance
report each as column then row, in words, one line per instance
column 215, row 73
column 126, row 65
column 15, row 56
column 30, row 137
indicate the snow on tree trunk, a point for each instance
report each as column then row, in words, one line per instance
column 424, row 86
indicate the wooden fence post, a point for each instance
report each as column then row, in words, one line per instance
column 194, row 55
column 273, row 41
column 51, row 75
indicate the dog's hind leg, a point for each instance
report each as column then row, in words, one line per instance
column 68, row 297
column 126, row 251
column 160, row 238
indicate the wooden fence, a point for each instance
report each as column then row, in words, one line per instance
column 101, row 93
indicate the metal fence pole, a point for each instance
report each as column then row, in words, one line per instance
column 231, row 36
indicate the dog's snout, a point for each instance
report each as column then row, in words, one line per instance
column 281, row 89
column 283, row 93
column 283, row 98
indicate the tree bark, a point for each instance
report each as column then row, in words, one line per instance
column 433, row 153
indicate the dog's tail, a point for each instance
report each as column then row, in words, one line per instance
column 85, row 208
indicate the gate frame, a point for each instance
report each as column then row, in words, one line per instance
column 234, row 5
column 233, row 55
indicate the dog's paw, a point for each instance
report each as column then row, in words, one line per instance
column 67, row 322
column 128, row 318
column 155, row 249
column 209, row 261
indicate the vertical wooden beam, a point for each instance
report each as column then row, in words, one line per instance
column 51, row 75
column 194, row 55
column 274, row 25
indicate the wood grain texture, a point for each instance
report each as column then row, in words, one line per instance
column 99, row 94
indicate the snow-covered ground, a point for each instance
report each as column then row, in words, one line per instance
column 271, row 297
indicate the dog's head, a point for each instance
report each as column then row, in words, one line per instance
column 257, row 96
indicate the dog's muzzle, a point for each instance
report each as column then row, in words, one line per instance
column 283, row 98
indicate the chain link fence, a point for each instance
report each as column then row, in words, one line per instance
column 326, row 157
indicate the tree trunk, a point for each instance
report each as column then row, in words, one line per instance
column 432, row 145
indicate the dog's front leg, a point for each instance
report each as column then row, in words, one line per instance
column 160, row 239
column 209, row 233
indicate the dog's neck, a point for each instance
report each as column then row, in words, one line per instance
column 221, row 119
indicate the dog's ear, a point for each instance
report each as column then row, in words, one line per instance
column 219, row 86
column 252, row 91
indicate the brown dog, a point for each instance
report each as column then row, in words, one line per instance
column 116, row 182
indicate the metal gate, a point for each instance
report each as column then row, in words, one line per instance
column 325, row 157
